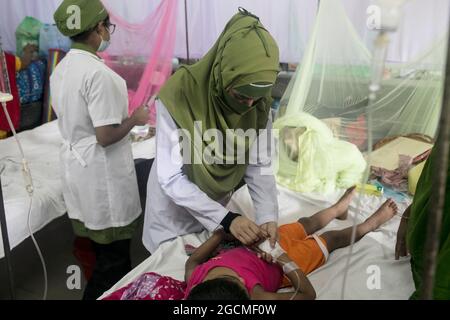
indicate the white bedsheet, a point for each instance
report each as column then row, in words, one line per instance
column 41, row 147
column 373, row 254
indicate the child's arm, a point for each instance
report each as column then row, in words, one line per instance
column 202, row 253
column 301, row 283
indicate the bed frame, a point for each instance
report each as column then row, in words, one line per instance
column 143, row 167
column 7, row 249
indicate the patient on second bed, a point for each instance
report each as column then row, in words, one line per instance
column 248, row 273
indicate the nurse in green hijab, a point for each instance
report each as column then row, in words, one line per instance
column 412, row 234
column 202, row 156
column 97, row 169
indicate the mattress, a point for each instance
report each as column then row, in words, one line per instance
column 41, row 147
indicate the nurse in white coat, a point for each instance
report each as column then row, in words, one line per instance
column 227, row 91
column 97, row 168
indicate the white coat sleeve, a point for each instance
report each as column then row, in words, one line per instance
column 260, row 179
column 101, row 99
column 174, row 183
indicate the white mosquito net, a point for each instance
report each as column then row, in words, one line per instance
column 323, row 116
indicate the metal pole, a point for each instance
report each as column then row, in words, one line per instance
column 187, row 30
column 3, row 226
column 6, row 247
column 438, row 192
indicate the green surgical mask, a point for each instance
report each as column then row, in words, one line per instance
column 255, row 90
column 235, row 105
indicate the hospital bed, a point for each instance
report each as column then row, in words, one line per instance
column 373, row 273
column 41, row 146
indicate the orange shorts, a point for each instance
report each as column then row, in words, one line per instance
column 304, row 250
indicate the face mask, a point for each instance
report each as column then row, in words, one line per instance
column 235, row 105
column 103, row 45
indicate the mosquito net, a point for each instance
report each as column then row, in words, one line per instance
column 323, row 118
column 142, row 53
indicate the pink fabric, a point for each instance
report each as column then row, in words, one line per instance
column 397, row 178
column 150, row 286
column 142, row 53
column 356, row 132
column 422, row 157
column 245, row 263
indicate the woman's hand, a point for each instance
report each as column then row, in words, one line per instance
column 270, row 230
column 401, row 249
column 264, row 256
column 110, row 134
column 282, row 260
column 141, row 116
column 246, row 231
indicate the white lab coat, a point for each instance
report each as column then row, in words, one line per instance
column 99, row 184
column 176, row 206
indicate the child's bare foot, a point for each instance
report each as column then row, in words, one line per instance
column 343, row 203
column 382, row 215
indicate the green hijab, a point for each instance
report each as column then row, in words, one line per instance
column 417, row 233
column 245, row 56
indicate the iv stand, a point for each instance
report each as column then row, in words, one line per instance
column 4, row 98
column 3, row 227
column 186, row 30
column 390, row 22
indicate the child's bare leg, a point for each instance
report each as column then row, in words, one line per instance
column 342, row 238
column 324, row 217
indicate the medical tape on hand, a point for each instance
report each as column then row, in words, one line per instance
column 289, row 267
column 274, row 252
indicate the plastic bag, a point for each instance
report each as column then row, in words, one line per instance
column 27, row 33
column 51, row 38
column 311, row 159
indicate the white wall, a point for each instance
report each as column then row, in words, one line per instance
column 290, row 22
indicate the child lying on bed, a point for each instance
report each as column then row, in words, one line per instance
column 242, row 273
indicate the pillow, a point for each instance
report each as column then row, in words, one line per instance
column 413, row 177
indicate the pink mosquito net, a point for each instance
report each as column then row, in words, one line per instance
column 142, row 53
